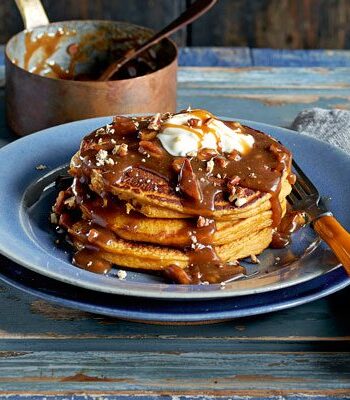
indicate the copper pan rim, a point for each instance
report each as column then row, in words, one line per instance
column 88, row 83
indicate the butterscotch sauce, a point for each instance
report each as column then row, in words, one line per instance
column 291, row 222
column 40, row 52
column 126, row 155
column 45, row 43
column 90, row 260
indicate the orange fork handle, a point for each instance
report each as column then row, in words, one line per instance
column 337, row 238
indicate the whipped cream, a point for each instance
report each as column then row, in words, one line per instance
column 187, row 133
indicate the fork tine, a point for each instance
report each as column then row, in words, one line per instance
column 303, row 180
column 292, row 198
column 299, row 191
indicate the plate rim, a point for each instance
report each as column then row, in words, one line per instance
column 208, row 316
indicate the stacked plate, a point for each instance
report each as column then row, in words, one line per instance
column 304, row 271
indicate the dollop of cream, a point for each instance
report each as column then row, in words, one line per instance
column 186, row 133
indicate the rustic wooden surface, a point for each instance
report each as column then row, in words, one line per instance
column 253, row 23
column 46, row 350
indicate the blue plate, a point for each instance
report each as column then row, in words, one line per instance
column 26, row 196
column 164, row 311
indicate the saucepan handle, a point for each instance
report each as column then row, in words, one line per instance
column 32, row 12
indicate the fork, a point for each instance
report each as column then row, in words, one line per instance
column 305, row 197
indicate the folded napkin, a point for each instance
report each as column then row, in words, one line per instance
column 332, row 126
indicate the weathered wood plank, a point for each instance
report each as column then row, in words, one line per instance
column 255, row 78
column 28, row 324
column 253, row 23
column 219, row 56
column 244, row 57
column 271, row 95
column 168, row 372
column 290, row 24
column 197, row 395
column 140, row 12
column 300, row 58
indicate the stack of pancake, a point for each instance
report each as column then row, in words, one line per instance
column 146, row 196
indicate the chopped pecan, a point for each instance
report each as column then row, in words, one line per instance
column 206, row 154
column 234, row 181
column 70, row 202
column 235, row 125
column 221, row 162
column 124, row 125
column 202, row 221
column 209, row 121
column 254, row 259
column 60, row 201
column 128, row 208
column 194, row 122
column 278, row 151
column 188, row 182
column 155, row 122
column 232, row 187
column 243, row 195
column 210, row 166
column 234, row 155
column 53, row 218
column 65, row 220
column 120, row 149
column 151, row 148
column 147, row 134
column 177, row 164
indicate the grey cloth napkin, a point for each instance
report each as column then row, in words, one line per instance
column 332, row 126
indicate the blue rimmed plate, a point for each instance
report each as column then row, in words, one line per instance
column 164, row 311
column 26, row 237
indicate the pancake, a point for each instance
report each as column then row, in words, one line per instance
column 171, row 232
column 137, row 255
column 186, row 194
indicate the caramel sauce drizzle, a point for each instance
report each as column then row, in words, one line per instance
column 290, row 223
column 44, row 46
column 47, row 44
column 259, row 170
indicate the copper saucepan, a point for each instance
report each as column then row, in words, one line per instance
column 50, row 70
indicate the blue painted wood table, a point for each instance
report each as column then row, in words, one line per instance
column 48, row 351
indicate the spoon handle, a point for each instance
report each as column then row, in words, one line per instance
column 32, row 12
column 193, row 12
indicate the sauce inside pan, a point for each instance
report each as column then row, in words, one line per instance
column 70, row 55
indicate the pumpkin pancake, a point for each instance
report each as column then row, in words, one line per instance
column 152, row 257
column 185, row 193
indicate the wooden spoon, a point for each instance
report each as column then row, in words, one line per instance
column 193, row 12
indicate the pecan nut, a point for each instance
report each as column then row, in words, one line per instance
column 155, row 122
column 278, row 152
column 206, row 154
column 123, row 125
column 151, row 148
column 188, row 182
column 147, row 134
column 221, row 162
column 234, row 156
column 177, row 164
column 194, row 122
